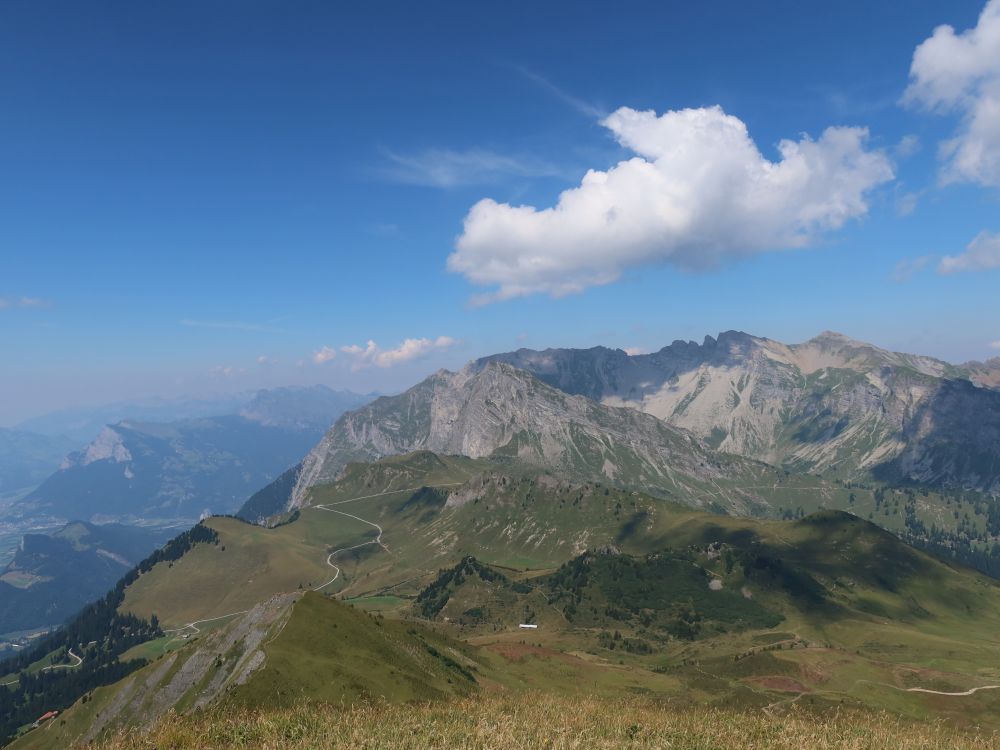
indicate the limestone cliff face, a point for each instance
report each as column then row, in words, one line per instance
column 496, row 409
column 831, row 403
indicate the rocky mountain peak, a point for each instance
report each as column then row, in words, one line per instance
column 834, row 337
column 493, row 408
column 108, row 445
column 300, row 407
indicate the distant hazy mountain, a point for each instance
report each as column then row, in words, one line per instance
column 181, row 469
column 830, row 404
column 27, row 458
column 498, row 410
column 984, row 373
column 82, row 424
column 52, row 576
column 313, row 407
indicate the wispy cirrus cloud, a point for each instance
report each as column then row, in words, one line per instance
column 448, row 168
column 232, row 325
column 908, row 145
column 907, row 268
column 7, row 303
column 373, row 355
column 580, row 105
column 906, row 203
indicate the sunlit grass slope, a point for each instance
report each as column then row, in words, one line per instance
column 530, row 720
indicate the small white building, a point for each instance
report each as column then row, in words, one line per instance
column 527, row 626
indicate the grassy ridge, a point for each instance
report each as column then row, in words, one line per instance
column 331, row 652
column 502, row 721
column 291, row 649
column 502, row 514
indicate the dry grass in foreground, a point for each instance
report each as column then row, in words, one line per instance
column 500, row 722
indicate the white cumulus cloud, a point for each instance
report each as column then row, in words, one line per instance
column 960, row 73
column 982, row 254
column 995, row 345
column 324, row 354
column 697, row 192
column 410, row 349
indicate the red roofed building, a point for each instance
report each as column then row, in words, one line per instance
column 45, row 717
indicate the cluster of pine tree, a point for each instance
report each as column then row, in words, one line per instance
column 98, row 635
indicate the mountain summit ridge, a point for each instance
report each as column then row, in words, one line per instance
column 831, row 402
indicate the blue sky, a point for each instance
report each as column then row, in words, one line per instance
column 210, row 196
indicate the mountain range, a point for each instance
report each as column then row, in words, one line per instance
column 82, row 423
column 831, row 405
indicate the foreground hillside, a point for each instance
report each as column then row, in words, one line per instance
column 507, row 721
column 285, row 649
column 632, row 594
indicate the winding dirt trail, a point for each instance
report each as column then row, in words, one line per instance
column 329, row 558
column 957, row 694
column 970, row 691
column 378, row 539
column 79, row 661
column 194, row 626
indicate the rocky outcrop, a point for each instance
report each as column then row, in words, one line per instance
column 107, row 446
column 198, row 675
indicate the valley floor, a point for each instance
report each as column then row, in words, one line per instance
column 500, row 721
